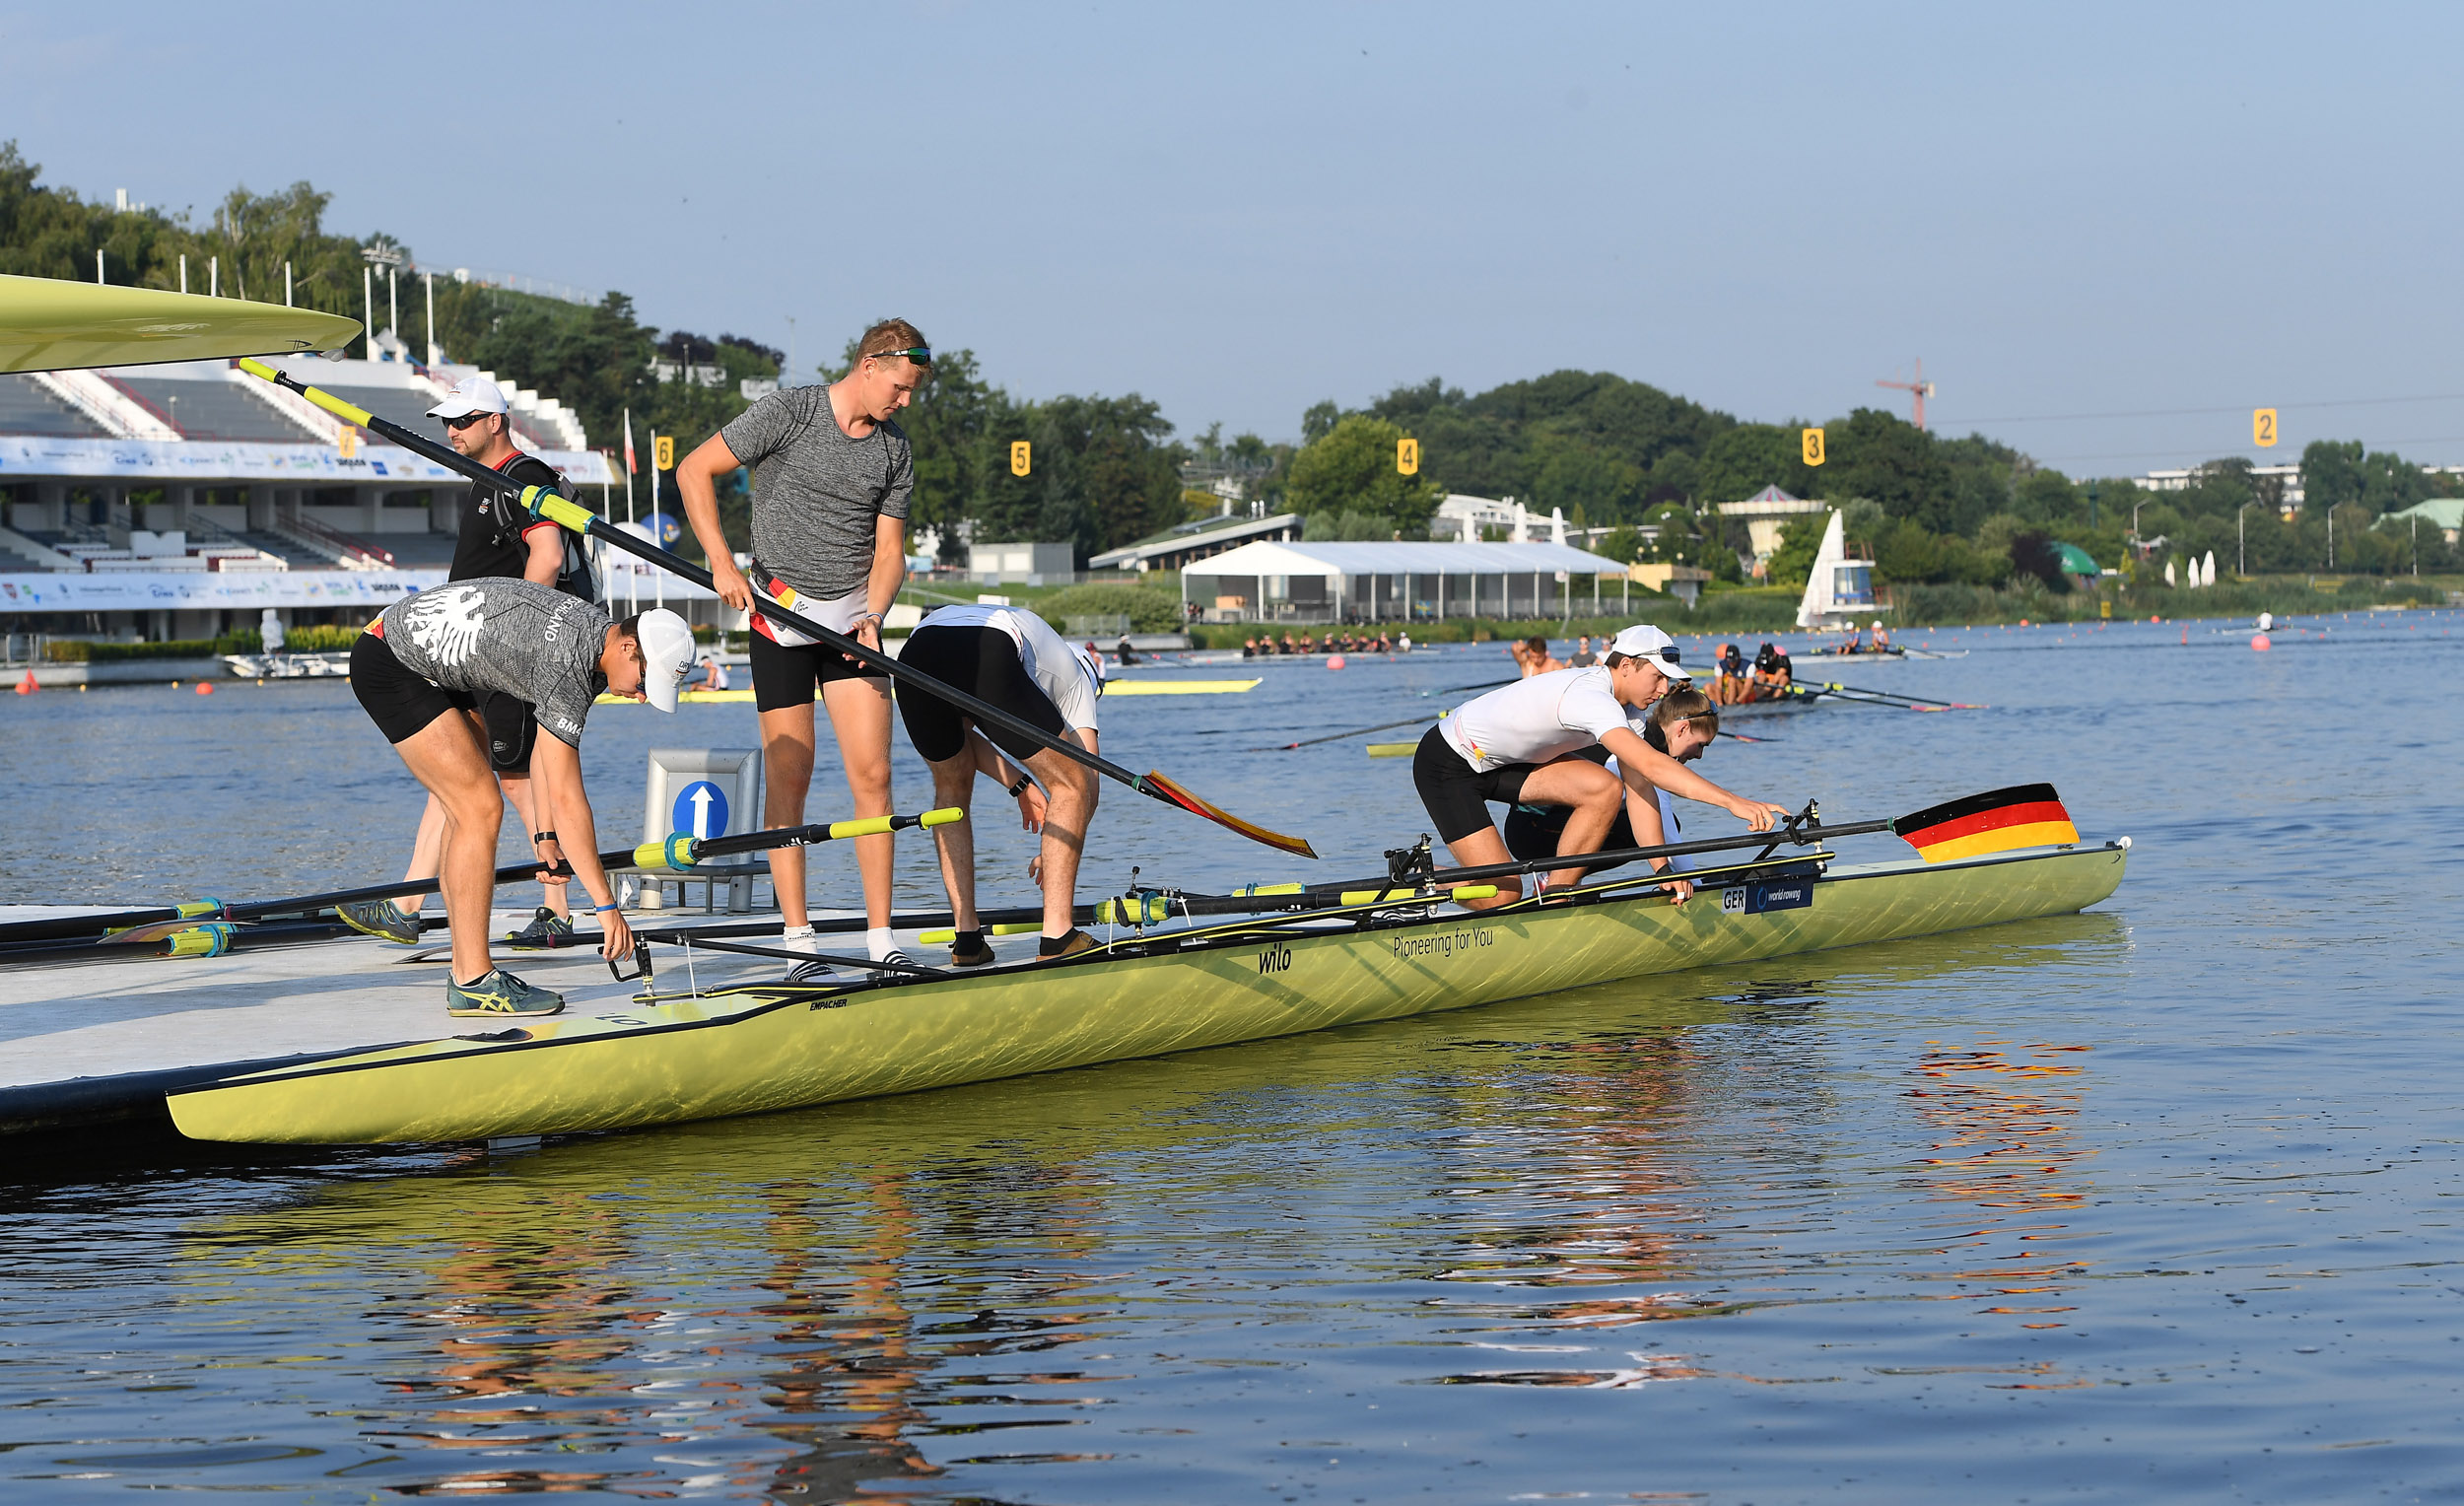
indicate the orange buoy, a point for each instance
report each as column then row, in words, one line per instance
column 1335, row 662
column 2259, row 643
column 205, row 687
column 27, row 686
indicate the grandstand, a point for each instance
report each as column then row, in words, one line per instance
column 157, row 482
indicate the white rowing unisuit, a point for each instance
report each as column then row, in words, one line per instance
column 1047, row 660
column 1533, row 720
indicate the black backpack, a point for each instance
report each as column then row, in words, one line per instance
column 576, row 577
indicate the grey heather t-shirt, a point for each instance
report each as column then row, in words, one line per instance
column 504, row 637
column 816, row 492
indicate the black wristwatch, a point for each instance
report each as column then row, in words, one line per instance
column 538, row 837
column 1019, row 788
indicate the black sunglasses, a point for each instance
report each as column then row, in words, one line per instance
column 921, row 355
column 467, row 420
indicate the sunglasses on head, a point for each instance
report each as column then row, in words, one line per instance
column 921, row 355
column 467, row 420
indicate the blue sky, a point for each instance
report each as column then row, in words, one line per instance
column 1238, row 210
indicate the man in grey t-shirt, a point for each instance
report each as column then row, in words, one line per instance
column 831, row 480
column 533, row 643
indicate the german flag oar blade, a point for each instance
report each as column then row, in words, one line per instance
column 1997, row 821
column 1170, row 792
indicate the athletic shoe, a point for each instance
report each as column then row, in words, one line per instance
column 894, row 955
column 546, row 931
column 500, row 993
column 381, row 917
column 1071, row 944
column 981, row 957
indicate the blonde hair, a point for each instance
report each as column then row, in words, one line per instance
column 1690, row 706
column 890, row 335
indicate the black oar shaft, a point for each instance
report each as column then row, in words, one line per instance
column 1803, row 835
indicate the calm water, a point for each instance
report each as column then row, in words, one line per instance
column 2158, row 1200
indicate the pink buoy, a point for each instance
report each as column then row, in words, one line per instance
column 2259, row 643
column 1335, row 662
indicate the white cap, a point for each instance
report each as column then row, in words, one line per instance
column 1877, row 624
column 1089, row 666
column 1645, row 642
column 471, row 394
column 667, row 656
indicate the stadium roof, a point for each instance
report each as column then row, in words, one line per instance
column 1404, row 558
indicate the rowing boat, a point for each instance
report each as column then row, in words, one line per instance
column 766, row 1047
column 1121, row 687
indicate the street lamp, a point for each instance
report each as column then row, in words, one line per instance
column 2242, row 551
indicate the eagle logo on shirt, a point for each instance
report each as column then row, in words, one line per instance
column 445, row 622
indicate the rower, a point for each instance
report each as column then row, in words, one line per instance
column 1882, row 639
column 1681, row 725
column 1731, row 687
column 1013, row 660
column 1532, row 657
column 1518, row 743
column 1761, row 681
column 1124, row 653
column 497, row 636
column 1782, row 680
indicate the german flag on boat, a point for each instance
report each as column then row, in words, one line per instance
column 1997, row 821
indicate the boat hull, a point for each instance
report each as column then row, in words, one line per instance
column 709, row 1059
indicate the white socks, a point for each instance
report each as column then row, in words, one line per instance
column 880, row 942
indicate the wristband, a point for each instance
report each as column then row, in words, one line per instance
column 538, row 837
column 1020, row 788
column 603, row 909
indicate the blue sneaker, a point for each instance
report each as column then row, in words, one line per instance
column 383, row 919
column 499, row 994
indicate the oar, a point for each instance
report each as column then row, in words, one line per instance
column 677, row 852
column 1358, row 732
column 564, row 511
column 1894, row 697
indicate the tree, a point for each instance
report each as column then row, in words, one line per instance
column 1801, row 539
column 1351, row 468
column 2331, row 473
column 1744, row 459
column 1880, row 455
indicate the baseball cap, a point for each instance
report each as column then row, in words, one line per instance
column 667, row 656
column 471, row 394
column 1645, row 642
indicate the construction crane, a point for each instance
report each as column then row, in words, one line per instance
column 1921, row 388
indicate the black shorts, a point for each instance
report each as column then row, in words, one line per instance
column 1456, row 794
column 401, row 702
column 985, row 663
column 784, row 678
column 1531, row 831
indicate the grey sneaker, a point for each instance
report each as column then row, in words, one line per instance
column 381, row 917
column 546, row 931
column 499, row 994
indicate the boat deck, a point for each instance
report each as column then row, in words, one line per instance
column 85, row 1045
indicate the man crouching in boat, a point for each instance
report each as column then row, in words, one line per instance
column 1520, row 744
column 535, row 644
column 1014, row 660
column 1683, row 725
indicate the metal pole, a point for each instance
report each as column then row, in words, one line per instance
column 98, row 264
column 2241, row 548
column 367, row 300
column 286, row 285
column 431, row 345
column 214, row 277
column 393, row 302
column 183, row 271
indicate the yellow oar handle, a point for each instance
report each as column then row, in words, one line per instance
column 1251, row 891
column 1146, row 908
column 326, row 400
column 556, row 508
column 198, row 942
column 1005, row 928
column 1458, row 894
column 674, row 851
column 878, row 825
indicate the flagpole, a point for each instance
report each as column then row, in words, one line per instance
column 633, row 568
column 658, row 578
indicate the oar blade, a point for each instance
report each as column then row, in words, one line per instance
column 1996, row 821
column 1166, row 790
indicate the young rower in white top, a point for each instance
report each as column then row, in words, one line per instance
column 1518, row 744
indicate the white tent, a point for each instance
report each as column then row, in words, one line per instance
column 1396, row 581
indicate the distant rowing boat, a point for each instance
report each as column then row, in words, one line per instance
column 287, row 666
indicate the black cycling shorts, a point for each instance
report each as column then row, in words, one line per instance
column 784, row 678
column 1456, row 794
column 401, row 702
column 985, row 663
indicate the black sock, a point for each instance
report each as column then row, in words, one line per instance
column 1050, row 946
column 968, row 941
